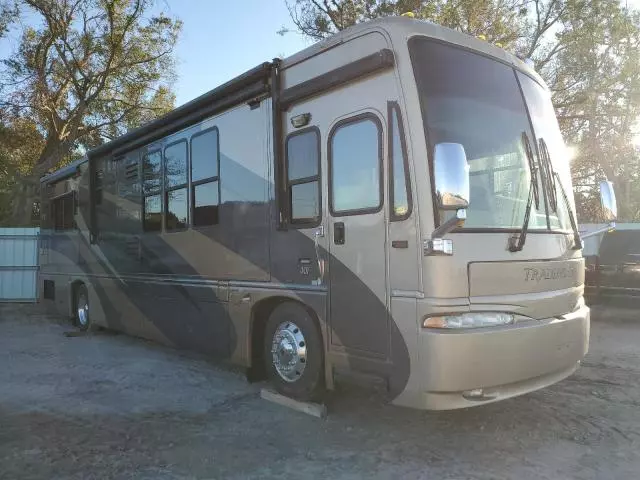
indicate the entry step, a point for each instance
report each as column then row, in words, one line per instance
column 313, row 409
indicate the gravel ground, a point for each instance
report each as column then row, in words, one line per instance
column 109, row 406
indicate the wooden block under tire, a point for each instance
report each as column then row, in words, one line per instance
column 313, row 409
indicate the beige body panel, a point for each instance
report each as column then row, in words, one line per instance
column 223, row 275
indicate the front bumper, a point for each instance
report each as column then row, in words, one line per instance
column 503, row 361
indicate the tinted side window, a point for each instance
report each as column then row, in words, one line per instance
column 152, row 213
column 175, row 164
column 400, row 189
column 303, row 175
column 151, row 188
column 204, row 155
column 175, row 188
column 205, row 177
column 62, row 212
column 177, row 209
column 355, row 175
column 151, row 167
column 205, row 204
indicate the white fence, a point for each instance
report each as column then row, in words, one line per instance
column 19, row 264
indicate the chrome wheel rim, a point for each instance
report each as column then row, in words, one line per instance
column 289, row 351
column 83, row 310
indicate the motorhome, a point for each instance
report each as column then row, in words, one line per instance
column 393, row 203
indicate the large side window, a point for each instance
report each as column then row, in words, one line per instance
column 175, row 189
column 355, row 173
column 399, row 185
column 205, row 177
column 303, row 176
column 62, row 212
column 152, row 191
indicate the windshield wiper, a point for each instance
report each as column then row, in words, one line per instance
column 548, row 177
column 516, row 242
column 552, row 180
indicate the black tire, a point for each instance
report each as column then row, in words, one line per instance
column 305, row 383
column 81, row 306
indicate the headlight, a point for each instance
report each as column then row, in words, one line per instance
column 469, row 320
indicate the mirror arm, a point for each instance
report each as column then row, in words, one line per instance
column 612, row 225
column 456, row 221
column 438, row 245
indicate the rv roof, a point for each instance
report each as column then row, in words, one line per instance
column 405, row 27
column 64, row 172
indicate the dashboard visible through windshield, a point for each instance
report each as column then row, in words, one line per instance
column 476, row 101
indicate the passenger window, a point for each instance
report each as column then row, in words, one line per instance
column 204, row 155
column 205, row 177
column 355, row 176
column 152, row 188
column 175, row 164
column 151, row 171
column 400, row 190
column 177, row 209
column 175, row 174
column 303, row 176
column 205, row 204
column 62, row 212
column 152, row 213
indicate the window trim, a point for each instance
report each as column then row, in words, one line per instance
column 340, row 124
column 312, row 221
column 393, row 107
column 193, row 184
column 166, row 190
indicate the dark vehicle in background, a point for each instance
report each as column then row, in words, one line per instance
column 614, row 272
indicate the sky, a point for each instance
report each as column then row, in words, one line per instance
column 220, row 40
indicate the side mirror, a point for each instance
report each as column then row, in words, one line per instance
column 451, row 172
column 609, row 208
column 608, row 201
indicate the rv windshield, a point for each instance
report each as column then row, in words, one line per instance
column 473, row 100
column 546, row 128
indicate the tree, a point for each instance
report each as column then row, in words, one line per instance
column 8, row 13
column 90, row 70
column 587, row 52
column 20, row 145
column 590, row 63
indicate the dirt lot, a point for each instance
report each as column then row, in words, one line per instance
column 108, row 406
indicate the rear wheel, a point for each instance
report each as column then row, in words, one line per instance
column 82, row 319
column 293, row 352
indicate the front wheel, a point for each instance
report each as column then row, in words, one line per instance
column 293, row 352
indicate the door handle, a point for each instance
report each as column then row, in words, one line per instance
column 338, row 233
